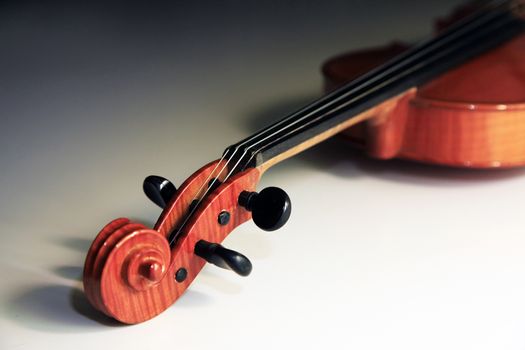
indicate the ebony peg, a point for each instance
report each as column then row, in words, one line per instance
column 158, row 189
column 270, row 208
column 216, row 254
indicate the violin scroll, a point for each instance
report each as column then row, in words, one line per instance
column 127, row 259
column 133, row 273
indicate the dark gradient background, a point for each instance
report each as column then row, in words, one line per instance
column 94, row 96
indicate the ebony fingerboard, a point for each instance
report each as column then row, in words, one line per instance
column 486, row 30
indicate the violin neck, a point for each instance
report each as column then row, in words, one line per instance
column 348, row 105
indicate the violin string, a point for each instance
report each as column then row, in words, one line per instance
column 346, row 104
column 397, row 61
column 433, row 58
column 412, row 55
column 205, row 185
column 385, row 69
column 357, row 98
column 338, row 107
column 234, row 168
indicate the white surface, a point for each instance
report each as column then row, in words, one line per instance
column 377, row 255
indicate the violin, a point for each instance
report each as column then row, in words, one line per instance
column 456, row 99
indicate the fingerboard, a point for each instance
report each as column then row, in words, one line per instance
column 490, row 27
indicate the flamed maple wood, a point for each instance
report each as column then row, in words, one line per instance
column 130, row 270
column 472, row 116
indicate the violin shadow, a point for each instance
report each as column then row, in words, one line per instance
column 248, row 239
column 192, row 299
column 70, row 272
column 75, row 243
column 56, row 308
column 66, row 309
column 217, row 283
column 340, row 158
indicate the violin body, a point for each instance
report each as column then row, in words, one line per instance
column 472, row 116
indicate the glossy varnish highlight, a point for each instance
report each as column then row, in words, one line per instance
column 472, row 116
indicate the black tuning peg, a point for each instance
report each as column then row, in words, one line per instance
column 216, row 254
column 158, row 189
column 270, row 208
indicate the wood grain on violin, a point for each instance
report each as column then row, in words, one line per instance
column 471, row 116
column 456, row 99
column 118, row 278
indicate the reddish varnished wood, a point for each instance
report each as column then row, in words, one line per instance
column 129, row 270
column 472, row 116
